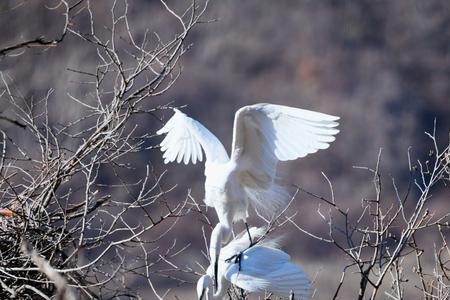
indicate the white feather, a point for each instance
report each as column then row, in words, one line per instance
column 263, row 267
column 263, row 134
column 268, row 269
column 185, row 139
column 267, row 133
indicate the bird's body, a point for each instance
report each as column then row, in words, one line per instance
column 263, row 134
column 259, row 268
column 224, row 192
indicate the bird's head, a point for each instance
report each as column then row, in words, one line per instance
column 203, row 285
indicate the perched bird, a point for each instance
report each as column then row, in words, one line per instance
column 263, row 134
column 255, row 268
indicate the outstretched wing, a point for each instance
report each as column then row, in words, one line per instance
column 185, row 138
column 267, row 133
column 268, row 269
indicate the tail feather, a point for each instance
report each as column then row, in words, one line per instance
column 268, row 201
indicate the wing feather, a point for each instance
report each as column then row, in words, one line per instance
column 189, row 151
column 267, row 133
column 199, row 151
column 185, row 139
column 268, row 269
column 241, row 242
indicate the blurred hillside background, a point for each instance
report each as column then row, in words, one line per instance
column 382, row 66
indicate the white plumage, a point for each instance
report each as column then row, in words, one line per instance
column 262, row 268
column 263, row 134
column 269, row 269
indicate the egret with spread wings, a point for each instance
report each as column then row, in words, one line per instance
column 263, row 134
column 255, row 268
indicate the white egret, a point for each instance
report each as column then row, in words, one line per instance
column 258, row 268
column 263, row 134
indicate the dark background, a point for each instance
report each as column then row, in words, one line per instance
column 382, row 66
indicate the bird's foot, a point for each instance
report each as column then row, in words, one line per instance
column 237, row 259
column 249, row 235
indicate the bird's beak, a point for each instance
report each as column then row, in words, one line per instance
column 202, row 294
column 216, row 271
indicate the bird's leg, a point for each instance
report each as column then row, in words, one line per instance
column 237, row 259
column 249, row 236
column 291, row 297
